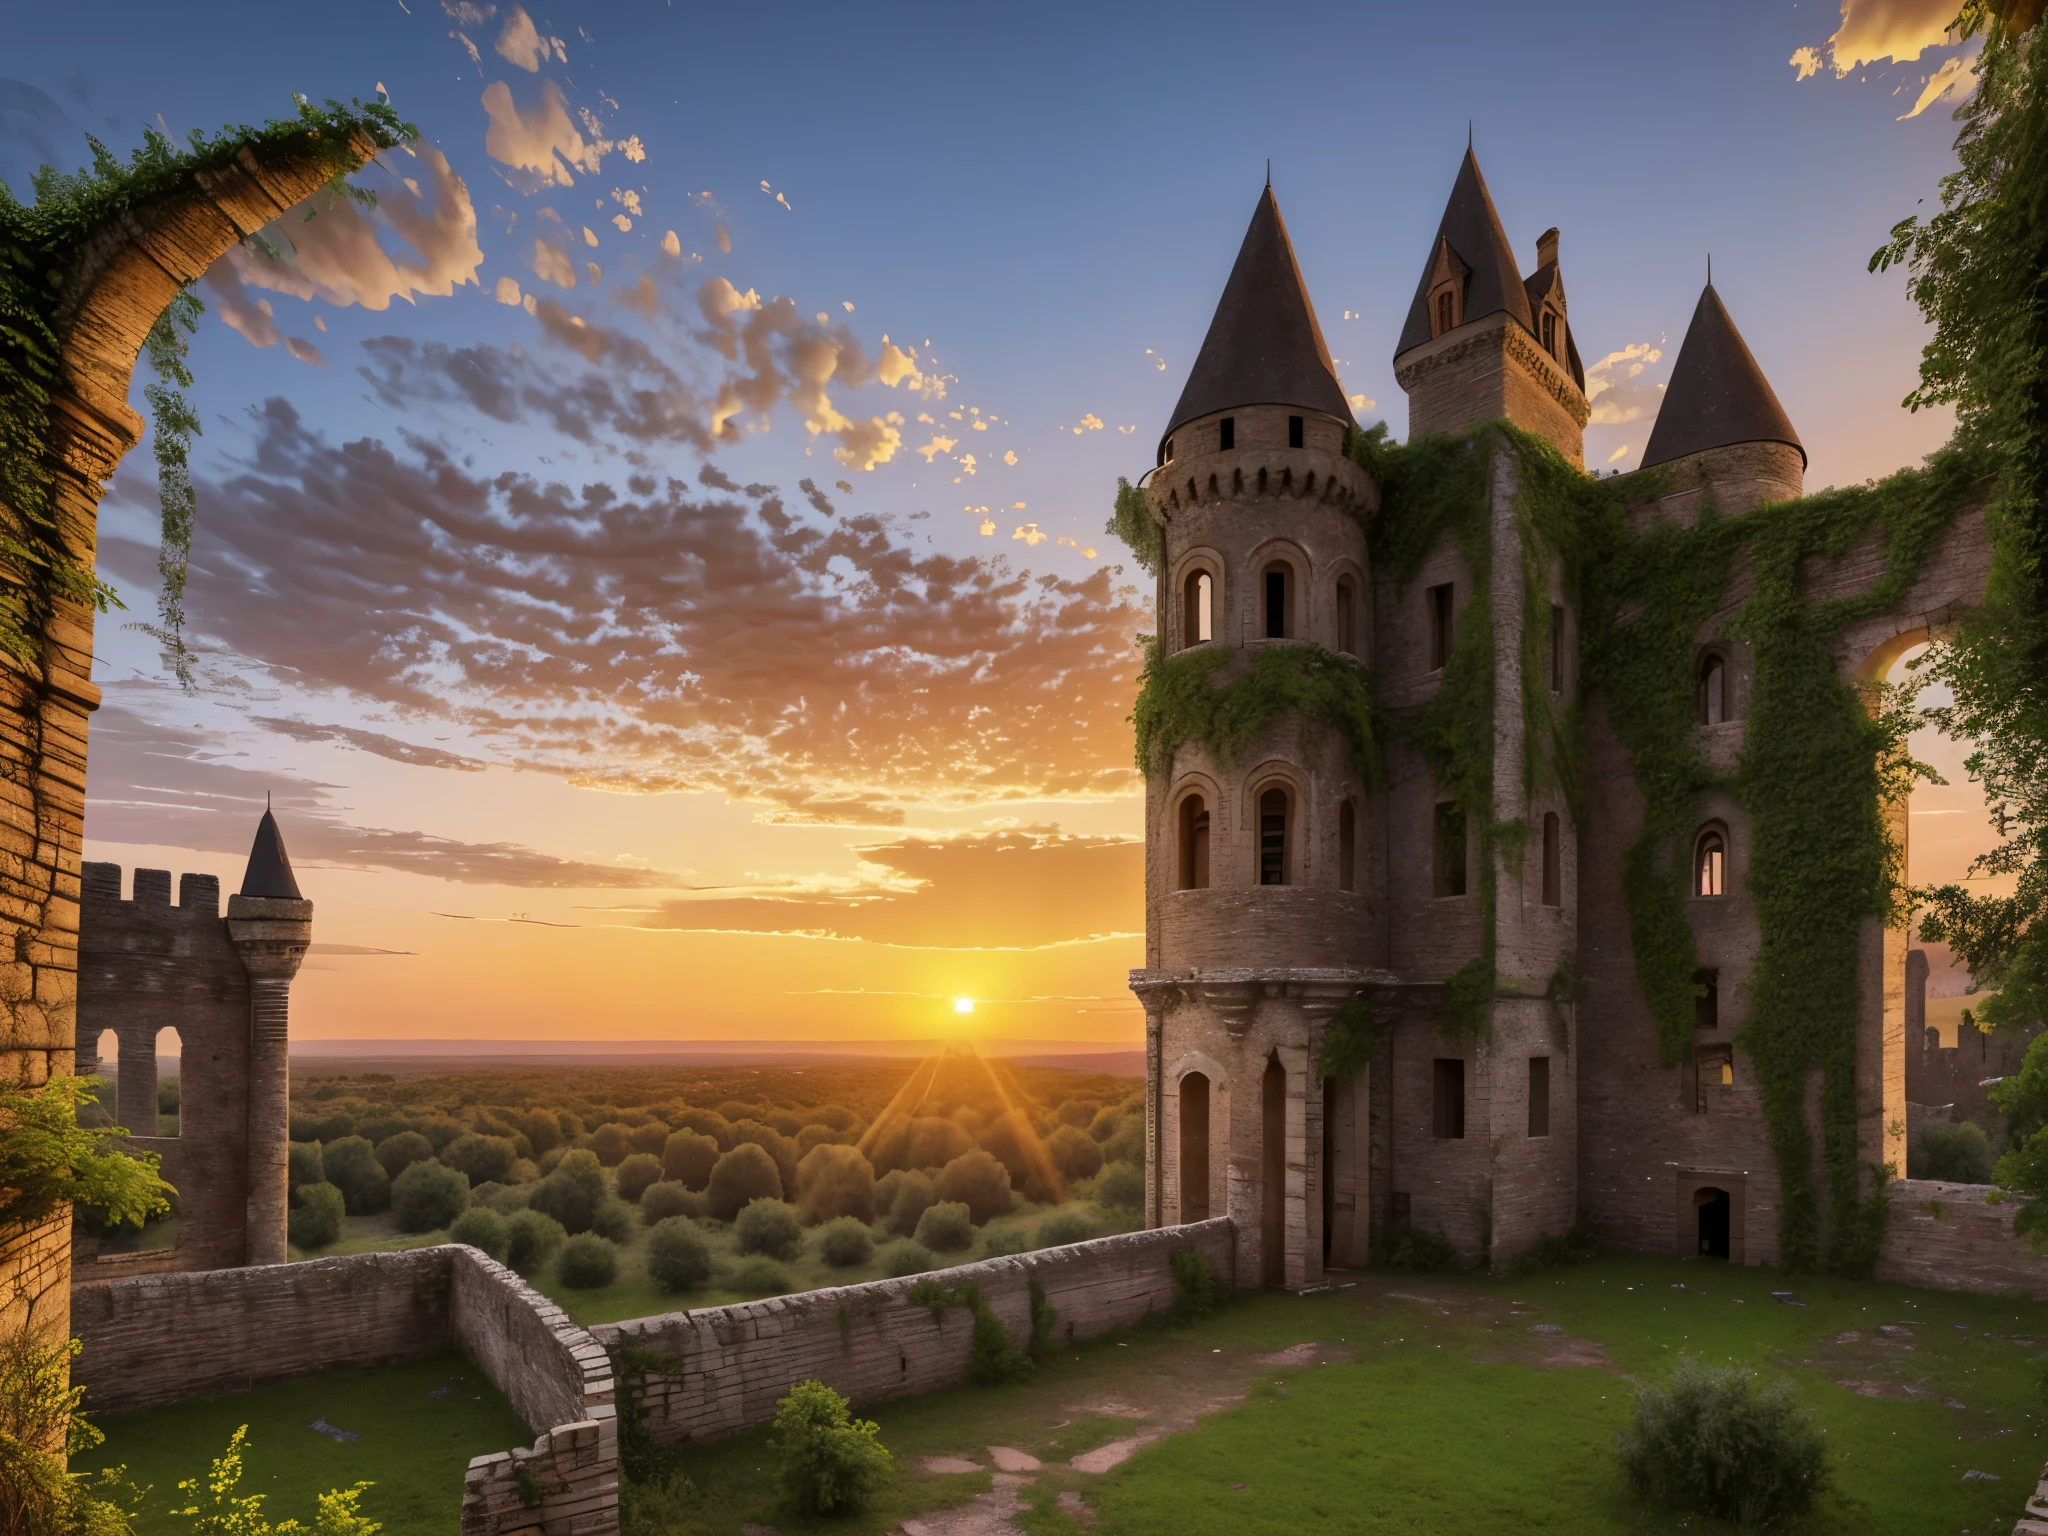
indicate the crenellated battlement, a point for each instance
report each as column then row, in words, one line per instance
column 198, row 895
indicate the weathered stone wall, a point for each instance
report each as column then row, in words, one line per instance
column 1957, row 1237
column 550, row 1369
column 732, row 1364
column 1951, row 1084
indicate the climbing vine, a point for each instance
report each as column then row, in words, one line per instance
column 1179, row 702
column 1131, row 521
column 172, row 425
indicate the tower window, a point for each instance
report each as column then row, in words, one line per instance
column 1228, row 433
column 1347, row 847
column 1273, row 837
column 1553, row 860
column 1556, row 648
column 1710, row 865
column 1706, row 998
column 1197, row 601
column 1449, row 843
column 1194, row 844
column 1550, row 331
column 1166, row 453
column 1447, row 1120
column 1279, row 584
column 1539, row 1095
column 1347, row 618
column 1439, row 626
column 1294, row 431
column 1713, row 691
column 1444, row 316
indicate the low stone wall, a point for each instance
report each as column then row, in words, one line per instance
column 730, row 1365
column 1957, row 1237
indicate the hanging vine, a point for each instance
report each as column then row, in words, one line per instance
column 173, row 421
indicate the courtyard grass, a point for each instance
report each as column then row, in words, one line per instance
column 418, row 1424
column 1429, row 1404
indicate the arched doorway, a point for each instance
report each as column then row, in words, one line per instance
column 1194, row 1147
column 1714, row 1211
column 1273, row 1175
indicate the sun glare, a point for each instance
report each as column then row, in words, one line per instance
column 963, row 1005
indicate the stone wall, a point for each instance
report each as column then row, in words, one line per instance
column 1957, row 1237
column 732, row 1364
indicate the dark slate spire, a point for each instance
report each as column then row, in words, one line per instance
column 270, row 867
column 1264, row 346
column 1472, row 230
column 1717, row 396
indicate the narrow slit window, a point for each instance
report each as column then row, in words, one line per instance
column 1447, row 1121
column 1713, row 693
column 1449, row 837
column 1553, row 860
column 1550, row 332
column 1710, row 865
column 1196, row 605
column 1279, row 589
column 1539, row 1095
column 1227, row 435
column 1556, row 648
column 1444, row 319
column 1347, row 618
column 1294, row 431
column 1273, row 837
column 1194, row 844
column 1439, row 626
column 1706, row 998
column 1347, row 847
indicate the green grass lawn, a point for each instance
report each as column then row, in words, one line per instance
column 1436, row 1408
column 414, row 1445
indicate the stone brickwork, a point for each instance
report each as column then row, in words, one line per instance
column 1958, row 1237
column 716, row 1371
column 1947, row 1085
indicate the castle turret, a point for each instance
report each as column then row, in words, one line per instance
column 1481, row 341
column 1257, row 912
column 1721, row 423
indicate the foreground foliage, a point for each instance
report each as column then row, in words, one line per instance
column 49, row 1162
column 830, row 1462
column 1715, row 1444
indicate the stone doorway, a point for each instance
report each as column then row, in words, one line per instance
column 1714, row 1213
column 1194, row 1147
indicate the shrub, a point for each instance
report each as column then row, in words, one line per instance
column 167, row 1095
column 612, row 1220
column 925, row 1142
column 397, row 1153
column 845, row 1242
column 486, row 1159
column 1126, row 1144
column 1196, row 1289
column 830, row 1462
column 315, row 1218
column 733, row 1111
column 637, row 1174
column 1715, row 1444
column 588, row 1263
column 352, row 1167
column 1105, row 1123
column 1422, row 1253
column 834, row 1181
column 678, row 1258
column 770, row 1227
column 705, row 1123
column 1073, row 1153
column 1013, row 1141
column 650, row 1138
column 573, row 1192
column 1000, row 1243
column 741, row 1176
column 976, row 1180
column 500, row 1199
column 481, row 1227
column 1957, row 1153
column 759, row 1276
column 688, row 1157
column 810, row 1136
column 1121, row 1187
column 669, row 1198
column 913, row 1196
column 946, row 1227
column 778, row 1147
column 441, row 1130
column 1064, row 1227
column 429, row 1195
column 530, row 1238
column 302, row 1165
column 904, row 1257
column 611, row 1143
column 542, row 1130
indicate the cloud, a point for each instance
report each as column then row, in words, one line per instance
column 1807, row 61
column 304, row 351
column 641, row 636
column 1030, row 534
column 1014, row 889
column 1872, row 31
column 551, row 264
column 520, row 42
column 374, row 742
column 1617, row 390
column 1618, row 455
column 670, row 245
column 508, row 290
column 1958, row 74
column 542, row 141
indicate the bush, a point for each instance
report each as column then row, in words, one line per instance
column 588, row 1263
column 946, row 1227
column 637, row 1174
column 904, row 1257
column 1121, row 1187
column 976, row 1180
column 429, row 1195
column 1196, row 1290
column 1074, row 1154
column 315, row 1218
column 678, row 1259
column 913, row 1196
column 834, row 1181
column 500, row 1199
column 778, row 1147
column 670, row 1198
column 573, row 1192
column 1715, row 1444
column 688, row 1157
column 302, row 1165
column 167, row 1095
column 481, row 1227
column 1064, row 1227
column 531, row 1238
column 1957, row 1153
column 1422, row 1253
column 397, row 1153
column 440, row 1131
column 810, row 1136
column 542, row 1130
column 830, row 1463
column 650, row 1138
column 1079, row 1113
column 1001, row 1244
column 1126, row 1144
column 845, row 1242
column 352, row 1167
column 612, row 1220
column 612, row 1143
column 742, row 1176
column 770, row 1227
column 759, row 1276
column 486, row 1159
column 705, row 1123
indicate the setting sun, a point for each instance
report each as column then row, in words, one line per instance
column 963, row 1005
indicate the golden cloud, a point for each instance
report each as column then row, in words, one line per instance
column 543, row 141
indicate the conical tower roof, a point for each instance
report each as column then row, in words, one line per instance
column 1264, row 346
column 1473, row 231
column 270, row 867
column 1717, row 396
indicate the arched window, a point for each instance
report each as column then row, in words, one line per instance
column 1196, row 608
column 1194, row 844
column 1713, row 691
column 1444, row 320
column 1347, row 847
column 1710, row 864
column 1553, row 860
column 1279, row 598
column 1273, row 837
column 1194, row 1147
column 169, row 1048
column 1550, row 331
column 1347, row 617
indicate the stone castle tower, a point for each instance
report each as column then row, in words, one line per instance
column 1280, row 886
column 224, row 984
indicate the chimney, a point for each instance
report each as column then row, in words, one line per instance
column 1546, row 248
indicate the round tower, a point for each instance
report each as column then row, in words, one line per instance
column 1260, row 848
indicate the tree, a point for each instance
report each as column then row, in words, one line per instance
column 573, row 1192
column 315, row 1217
column 834, row 1180
column 830, row 1462
column 612, row 1143
column 398, row 1152
column 688, row 1157
column 636, row 1174
column 743, row 1175
column 352, row 1167
column 769, row 1227
column 486, row 1159
column 976, row 1180
column 429, row 1195
column 678, row 1258
column 49, row 1162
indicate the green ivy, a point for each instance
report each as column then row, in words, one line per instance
column 1131, row 521
column 171, row 429
column 1179, row 702
column 1351, row 1037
